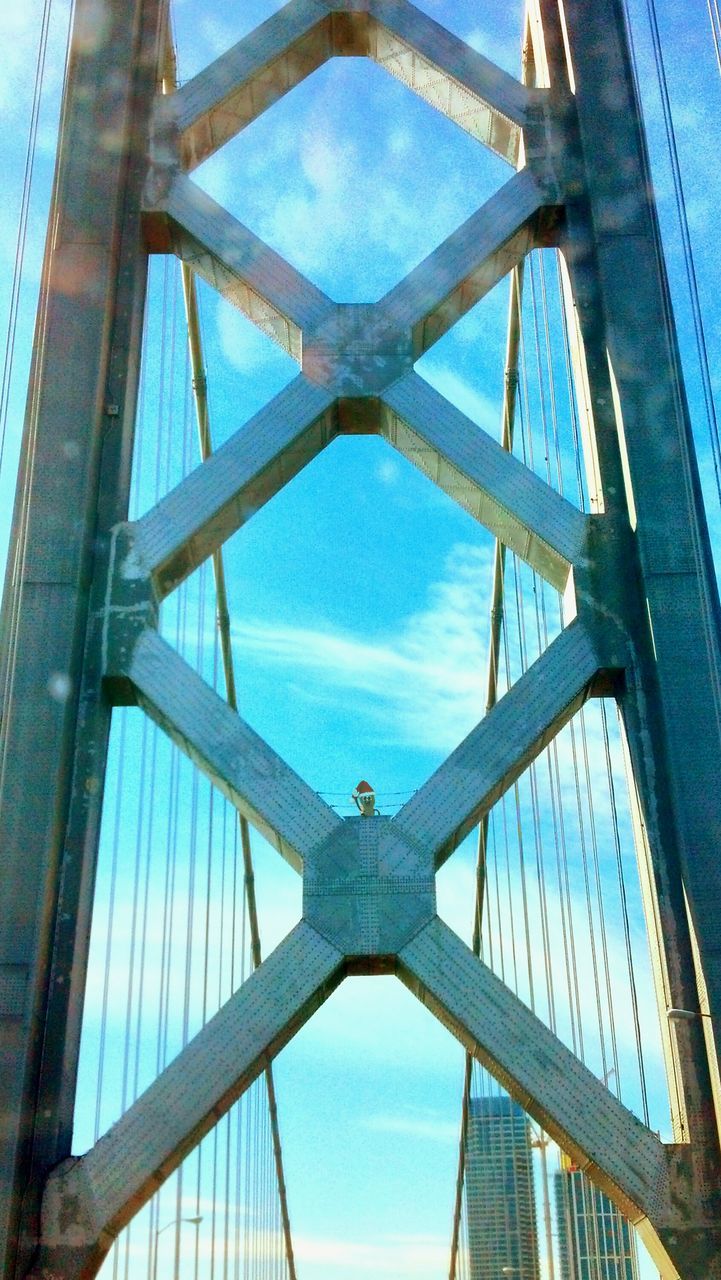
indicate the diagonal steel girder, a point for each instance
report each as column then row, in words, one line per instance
column 288, row 308
column 88, row 1200
column 205, row 509
column 576, row 1109
column 466, row 266
column 523, row 512
column 237, row 264
column 466, row 786
column 278, row 803
column 234, row 90
column 191, row 522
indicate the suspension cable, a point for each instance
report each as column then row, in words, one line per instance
column 496, row 624
column 200, row 396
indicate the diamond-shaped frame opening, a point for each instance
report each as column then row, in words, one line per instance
column 339, row 172
column 379, row 540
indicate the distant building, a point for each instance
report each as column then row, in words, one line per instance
column 595, row 1241
column 500, row 1193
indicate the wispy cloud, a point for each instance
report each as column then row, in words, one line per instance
column 417, row 1125
column 424, row 683
column 398, row 1255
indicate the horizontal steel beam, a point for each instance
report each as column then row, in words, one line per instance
column 274, row 799
column 501, row 746
column 523, row 512
column 88, row 1201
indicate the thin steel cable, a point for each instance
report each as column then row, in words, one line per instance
column 687, row 244
column 715, row 19
column 21, row 241
column 625, row 918
column 114, row 861
column 223, row 625
column 496, row 627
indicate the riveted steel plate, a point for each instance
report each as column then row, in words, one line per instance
column 359, row 891
column 539, row 1071
column 99, row 1192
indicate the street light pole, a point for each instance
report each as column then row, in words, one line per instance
column 173, row 1223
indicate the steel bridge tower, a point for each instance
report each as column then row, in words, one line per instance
column 84, row 586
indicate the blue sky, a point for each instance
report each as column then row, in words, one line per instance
column 359, row 599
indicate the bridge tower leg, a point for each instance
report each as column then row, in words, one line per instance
column 73, row 488
column 78, row 626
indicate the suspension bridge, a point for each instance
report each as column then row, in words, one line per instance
column 386, row 278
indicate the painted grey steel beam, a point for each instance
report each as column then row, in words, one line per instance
column 87, row 1201
column 226, row 96
column 613, row 1147
column 240, row 266
column 461, row 271
column 677, row 615
column 466, row 87
column 285, row 810
column 197, row 517
column 501, row 746
column 523, row 512
column 72, row 487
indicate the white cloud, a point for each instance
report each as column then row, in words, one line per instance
column 424, row 684
column 427, row 1125
column 482, row 409
column 419, row 1256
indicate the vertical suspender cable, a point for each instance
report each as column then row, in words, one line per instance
column 223, row 622
column 509, row 409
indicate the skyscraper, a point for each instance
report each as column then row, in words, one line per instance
column 594, row 1238
column 500, row 1192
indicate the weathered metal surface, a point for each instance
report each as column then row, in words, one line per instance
column 73, row 485
column 202, row 512
column 616, row 1150
column 468, row 264
column 369, row 893
column 261, row 785
column 525, row 514
column 673, row 547
column 501, row 746
column 255, row 279
column 465, row 86
column 88, row 1200
column 216, row 104
column 369, row 888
